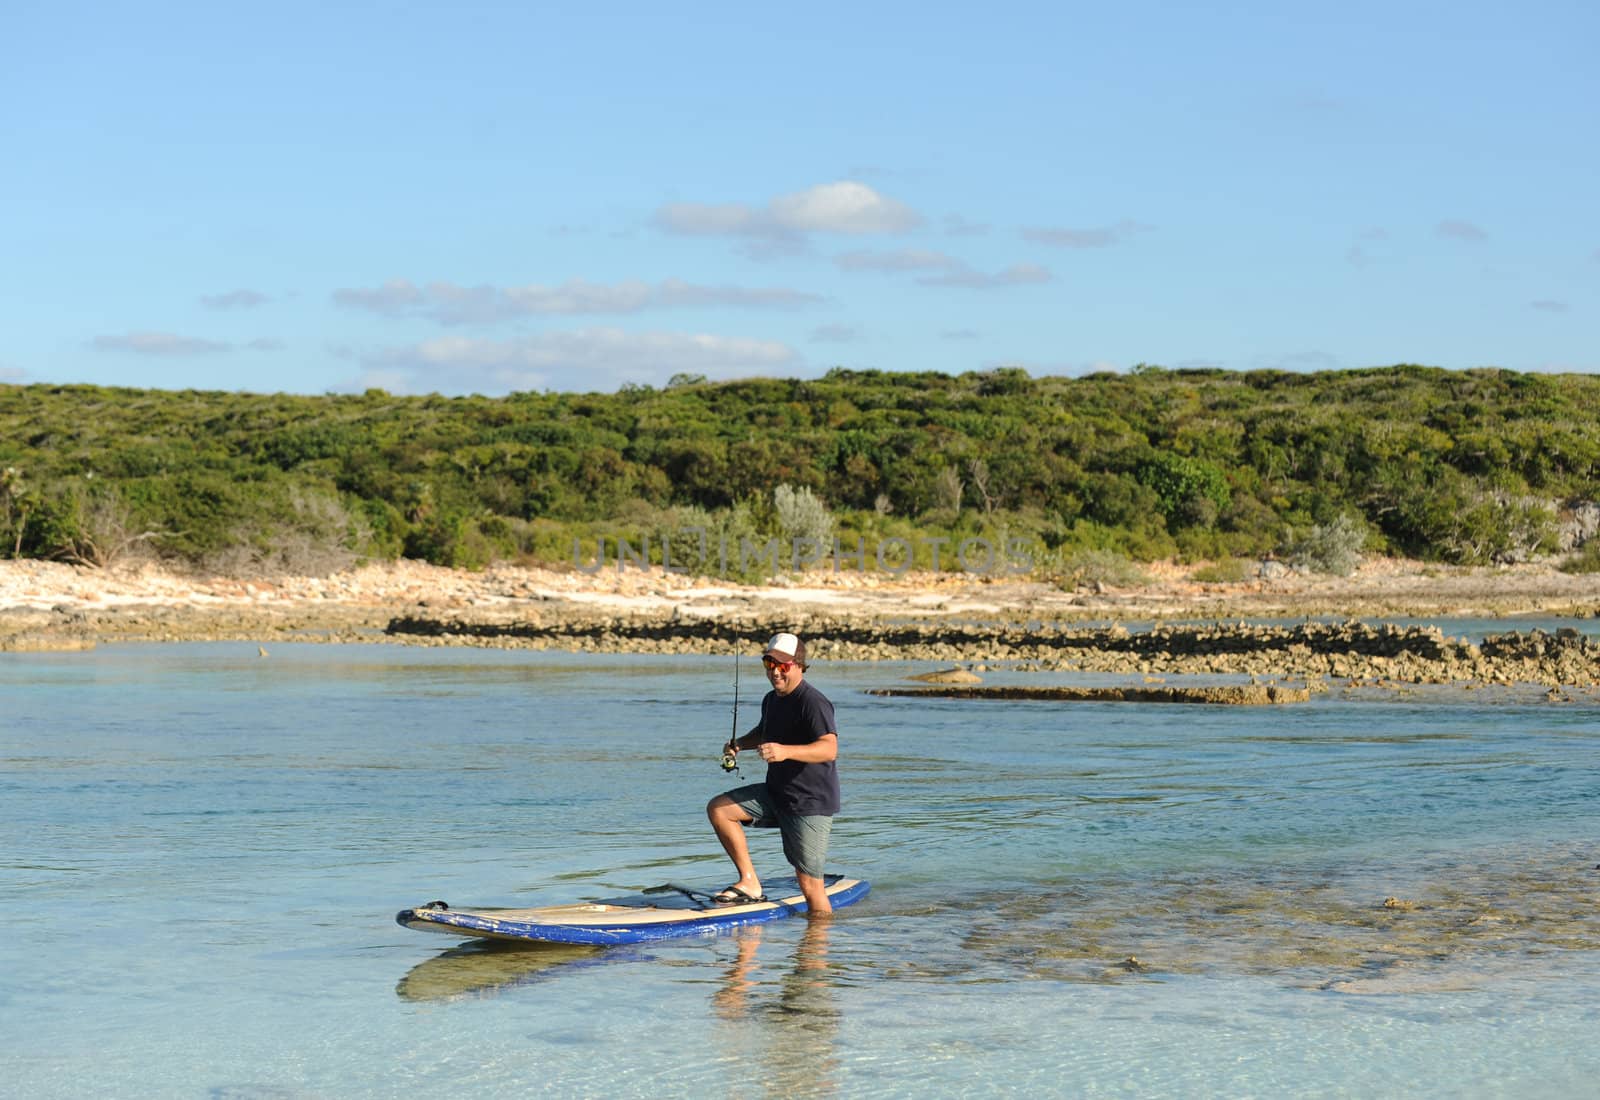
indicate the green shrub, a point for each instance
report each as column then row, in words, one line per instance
column 1190, row 492
column 1330, row 547
column 93, row 524
column 1100, row 569
column 1151, row 464
column 802, row 515
column 1586, row 560
column 1228, row 571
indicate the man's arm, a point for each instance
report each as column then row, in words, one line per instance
column 820, row 751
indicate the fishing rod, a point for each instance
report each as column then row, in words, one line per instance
column 730, row 754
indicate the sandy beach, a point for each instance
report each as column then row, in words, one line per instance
column 954, row 617
column 1381, row 587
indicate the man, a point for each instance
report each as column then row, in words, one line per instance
column 797, row 739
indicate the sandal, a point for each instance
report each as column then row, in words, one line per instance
column 735, row 896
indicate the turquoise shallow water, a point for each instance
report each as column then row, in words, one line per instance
column 203, row 850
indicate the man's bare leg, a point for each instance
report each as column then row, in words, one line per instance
column 729, row 820
column 816, row 894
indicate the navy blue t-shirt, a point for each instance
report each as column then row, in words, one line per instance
column 799, row 718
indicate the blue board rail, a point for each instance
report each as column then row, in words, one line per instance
column 625, row 920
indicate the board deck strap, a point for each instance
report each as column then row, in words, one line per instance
column 663, row 913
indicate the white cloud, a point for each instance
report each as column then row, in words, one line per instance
column 234, row 299
column 1015, row 275
column 397, row 296
column 1459, row 230
column 784, row 222
column 1083, row 238
column 702, row 219
column 586, row 359
column 675, row 292
column 173, row 345
column 951, row 272
column 450, row 304
column 159, row 343
column 12, row 374
column 835, row 334
column 957, row 226
column 904, row 259
column 845, row 207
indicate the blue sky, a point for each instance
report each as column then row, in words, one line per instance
column 483, row 198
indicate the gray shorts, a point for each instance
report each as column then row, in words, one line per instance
column 805, row 837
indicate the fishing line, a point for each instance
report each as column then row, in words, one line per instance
column 730, row 754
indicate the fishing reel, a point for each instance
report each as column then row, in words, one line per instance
column 730, row 759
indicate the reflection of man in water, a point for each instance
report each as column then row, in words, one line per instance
column 798, row 1026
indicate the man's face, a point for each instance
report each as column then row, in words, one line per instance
column 783, row 675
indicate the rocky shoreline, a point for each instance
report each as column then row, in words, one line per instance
column 1170, row 626
column 1353, row 651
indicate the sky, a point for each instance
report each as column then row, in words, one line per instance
column 488, row 198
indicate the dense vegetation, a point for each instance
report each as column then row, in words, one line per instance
column 1466, row 466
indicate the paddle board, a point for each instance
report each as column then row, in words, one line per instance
column 663, row 912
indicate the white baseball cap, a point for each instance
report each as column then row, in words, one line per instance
column 783, row 645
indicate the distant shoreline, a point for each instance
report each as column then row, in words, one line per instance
column 1385, row 588
column 932, row 617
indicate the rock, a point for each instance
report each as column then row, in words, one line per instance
column 45, row 642
column 1226, row 695
column 1576, row 525
column 948, row 676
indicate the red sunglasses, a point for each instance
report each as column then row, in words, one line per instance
column 772, row 662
